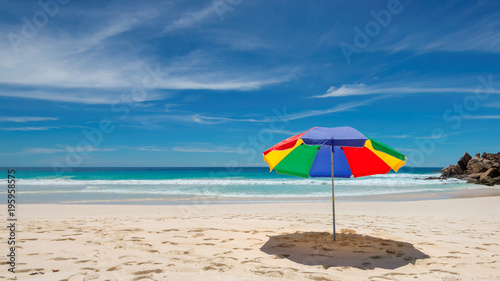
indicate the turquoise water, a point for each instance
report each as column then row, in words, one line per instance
column 177, row 185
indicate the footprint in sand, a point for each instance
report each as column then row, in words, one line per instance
column 115, row 268
column 144, row 272
column 82, row 261
column 221, row 267
column 171, row 243
column 225, row 253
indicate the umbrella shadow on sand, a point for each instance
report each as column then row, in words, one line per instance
column 350, row 250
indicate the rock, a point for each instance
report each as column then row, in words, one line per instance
column 492, row 173
column 480, row 169
column 476, row 167
column 462, row 163
column 450, row 171
column 434, row 178
column 496, row 180
column 475, row 176
column 488, row 178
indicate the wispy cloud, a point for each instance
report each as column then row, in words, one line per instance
column 42, row 128
column 285, row 132
column 483, row 117
column 217, row 149
column 26, row 119
column 190, row 19
column 480, row 34
column 337, row 108
column 202, row 70
column 195, row 147
column 198, row 118
column 362, row 89
column 155, row 121
column 61, row 149
column 83, row 97
column 404, row 136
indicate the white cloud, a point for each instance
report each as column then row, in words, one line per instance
column 190, row 19
column 198, row 118
column 84, row 97
column 362, row 89
column 481, row 36
column 26, row 119
column 216, row 149
column 42, row 128
column 285, row 132
column 154, row 121
column 337, row 108
column 194, row 147
column 391, row 136
column 62, row 149
column 483, row 117
column 200, row 70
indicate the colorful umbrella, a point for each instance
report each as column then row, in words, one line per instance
column 327, row 152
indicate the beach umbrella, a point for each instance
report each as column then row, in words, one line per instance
column 332, row 152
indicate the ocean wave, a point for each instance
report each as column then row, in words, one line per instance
column 384, row 180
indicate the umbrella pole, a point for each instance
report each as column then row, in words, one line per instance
column 333, row 200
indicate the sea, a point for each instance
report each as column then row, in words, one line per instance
column 191, row 185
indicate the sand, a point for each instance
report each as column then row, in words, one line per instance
column 453, row 239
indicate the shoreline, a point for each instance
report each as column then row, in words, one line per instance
column 395, row 197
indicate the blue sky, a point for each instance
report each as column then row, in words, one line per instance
column 215, row 83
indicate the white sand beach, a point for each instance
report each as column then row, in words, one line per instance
column 454, row 239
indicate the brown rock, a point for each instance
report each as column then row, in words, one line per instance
column 462, row 163
column 480, row 169
column 496, row 180
column 476, row 167
column 487, row 163
column 475, row 176
column 491, row 173
column 470, row 180
column 490, row 177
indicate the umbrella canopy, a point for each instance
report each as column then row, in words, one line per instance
column 354, row 154
column 328, row 152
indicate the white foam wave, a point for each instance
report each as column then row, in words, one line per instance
column 379, row 180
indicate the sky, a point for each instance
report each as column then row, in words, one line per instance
column 215, row 83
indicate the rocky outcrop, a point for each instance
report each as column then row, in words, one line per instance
column 480, row 169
